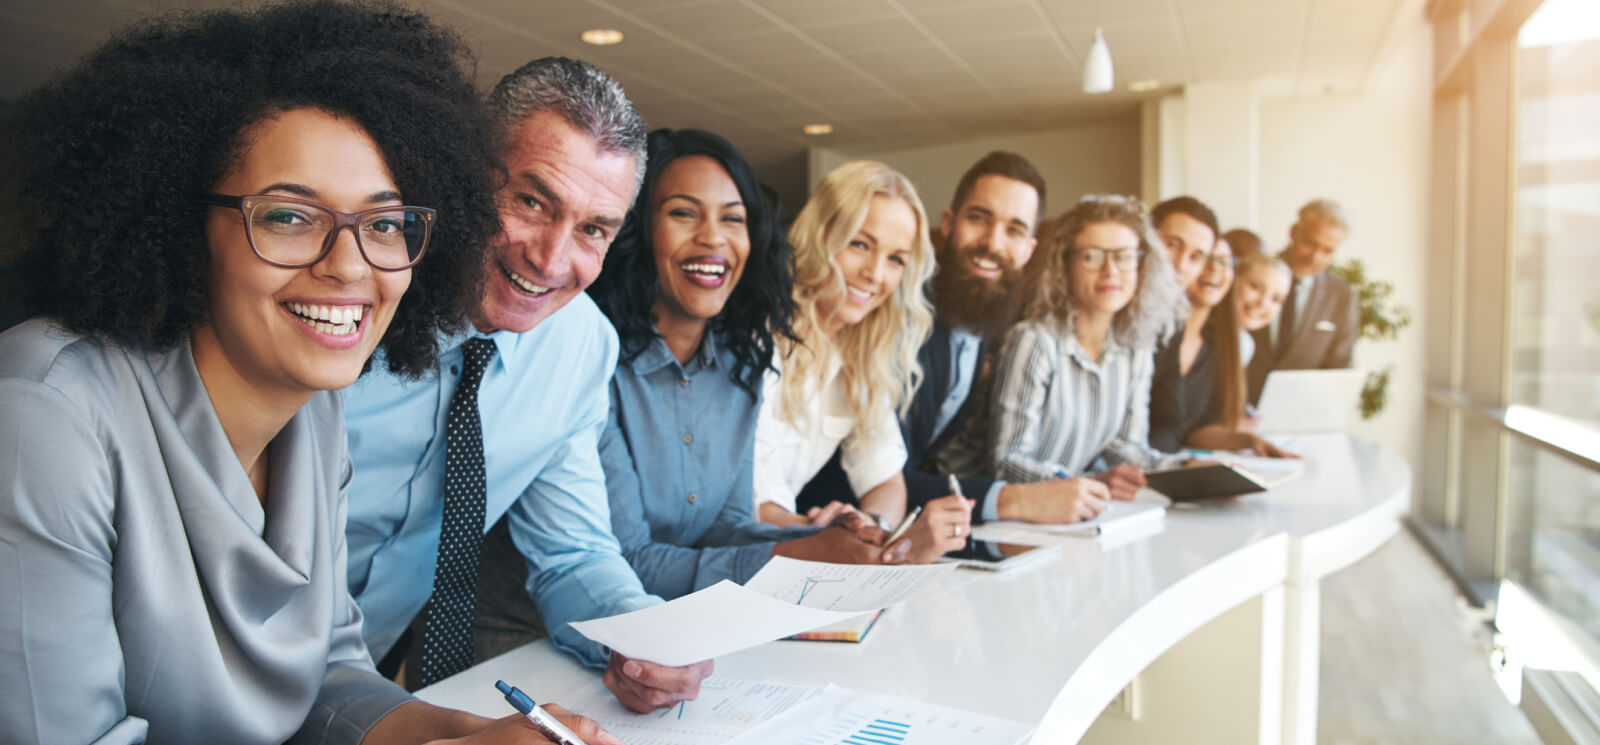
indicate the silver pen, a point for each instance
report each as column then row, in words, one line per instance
column 547, row 725
column 904, row 527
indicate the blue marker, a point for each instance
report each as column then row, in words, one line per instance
column 547, row 725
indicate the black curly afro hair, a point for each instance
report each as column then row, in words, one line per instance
column 103, row 165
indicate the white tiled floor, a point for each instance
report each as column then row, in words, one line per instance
column 1403, row 662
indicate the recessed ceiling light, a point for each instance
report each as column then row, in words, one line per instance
column 818, row 129
column 601, row 37
column 1147, row 84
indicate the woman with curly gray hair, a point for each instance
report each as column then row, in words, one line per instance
column 1071, row 383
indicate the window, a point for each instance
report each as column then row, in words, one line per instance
column 1555, row 319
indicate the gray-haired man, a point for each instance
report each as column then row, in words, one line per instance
column 433, row 471
column 1317, row 326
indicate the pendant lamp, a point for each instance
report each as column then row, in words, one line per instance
column 1097, row 77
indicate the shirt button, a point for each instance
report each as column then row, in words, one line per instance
column 691, row 499
column 683, row 381
column 688, row 439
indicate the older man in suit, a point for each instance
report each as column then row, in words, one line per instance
column 1317, row 327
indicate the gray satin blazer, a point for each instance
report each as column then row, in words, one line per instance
column 147, row 597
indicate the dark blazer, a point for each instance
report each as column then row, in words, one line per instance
column 917, row 428
column 1323, row 338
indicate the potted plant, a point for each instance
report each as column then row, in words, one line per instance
column 1379, row 318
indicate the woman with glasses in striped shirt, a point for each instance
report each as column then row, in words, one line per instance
column 1069, row 394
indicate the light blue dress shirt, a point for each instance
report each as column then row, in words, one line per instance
column 544, row 403
column 964, row 347
column 679, row 456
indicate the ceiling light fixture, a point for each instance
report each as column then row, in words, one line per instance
column 601, row 37
column 1097, row 77
column 818, row 129
column 1146, row 84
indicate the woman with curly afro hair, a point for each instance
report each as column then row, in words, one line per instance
column 222, row 215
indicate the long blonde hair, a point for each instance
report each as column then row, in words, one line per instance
column 879, row 355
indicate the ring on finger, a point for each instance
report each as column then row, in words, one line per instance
column 955, row 530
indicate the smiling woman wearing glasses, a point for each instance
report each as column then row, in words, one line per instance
column 218, row 224
column 1071, row 384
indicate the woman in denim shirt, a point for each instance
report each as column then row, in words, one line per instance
column 698, row 287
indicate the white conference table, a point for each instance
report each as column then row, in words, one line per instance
column 1204, row 632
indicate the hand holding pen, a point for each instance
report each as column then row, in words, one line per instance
column 934, row 529
column 547, row 720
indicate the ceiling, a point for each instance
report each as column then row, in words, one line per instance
column 884, row 73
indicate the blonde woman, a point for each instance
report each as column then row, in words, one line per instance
column 1261, row 286
column 1071, row 384
column 862, row 256
column 1260, row 289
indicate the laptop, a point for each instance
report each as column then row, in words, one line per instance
column 1309, row 400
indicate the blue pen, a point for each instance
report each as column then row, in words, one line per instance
column 547, row 725
column 1061, row 473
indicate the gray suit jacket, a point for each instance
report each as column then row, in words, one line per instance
column 1323, row 337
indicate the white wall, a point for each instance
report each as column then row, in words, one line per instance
column 1371, row 153
column 1099, row 157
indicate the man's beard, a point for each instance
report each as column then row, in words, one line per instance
column 986, row 307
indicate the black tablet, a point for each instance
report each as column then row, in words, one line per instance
column 1200, row 482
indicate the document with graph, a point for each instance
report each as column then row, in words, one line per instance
column 848, row 587
column 724, row 709
column 725, row 618
column 841, row 716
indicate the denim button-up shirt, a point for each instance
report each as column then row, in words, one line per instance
column 679, row 456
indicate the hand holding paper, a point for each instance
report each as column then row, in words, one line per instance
column 786, row 597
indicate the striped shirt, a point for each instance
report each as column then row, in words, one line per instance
column 1052, row 408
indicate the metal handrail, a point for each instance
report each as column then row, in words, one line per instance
column 1574, row 440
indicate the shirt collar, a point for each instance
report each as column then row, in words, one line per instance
column 505, row 342
column 657, row 355
column 1112, row 346
column 961, row 337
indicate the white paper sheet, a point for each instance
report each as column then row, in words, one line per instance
column 1146, row 506
column 856, row 718
column 844, row 587
column 786, row 597
column 1269, row 471
column 721, row 619
column 724, row 709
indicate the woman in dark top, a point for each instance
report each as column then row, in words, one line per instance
column 1206, row 408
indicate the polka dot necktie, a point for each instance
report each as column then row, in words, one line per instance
column 447, row 643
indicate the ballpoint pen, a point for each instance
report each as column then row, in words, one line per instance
column 547, row 725
column 904, row 527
